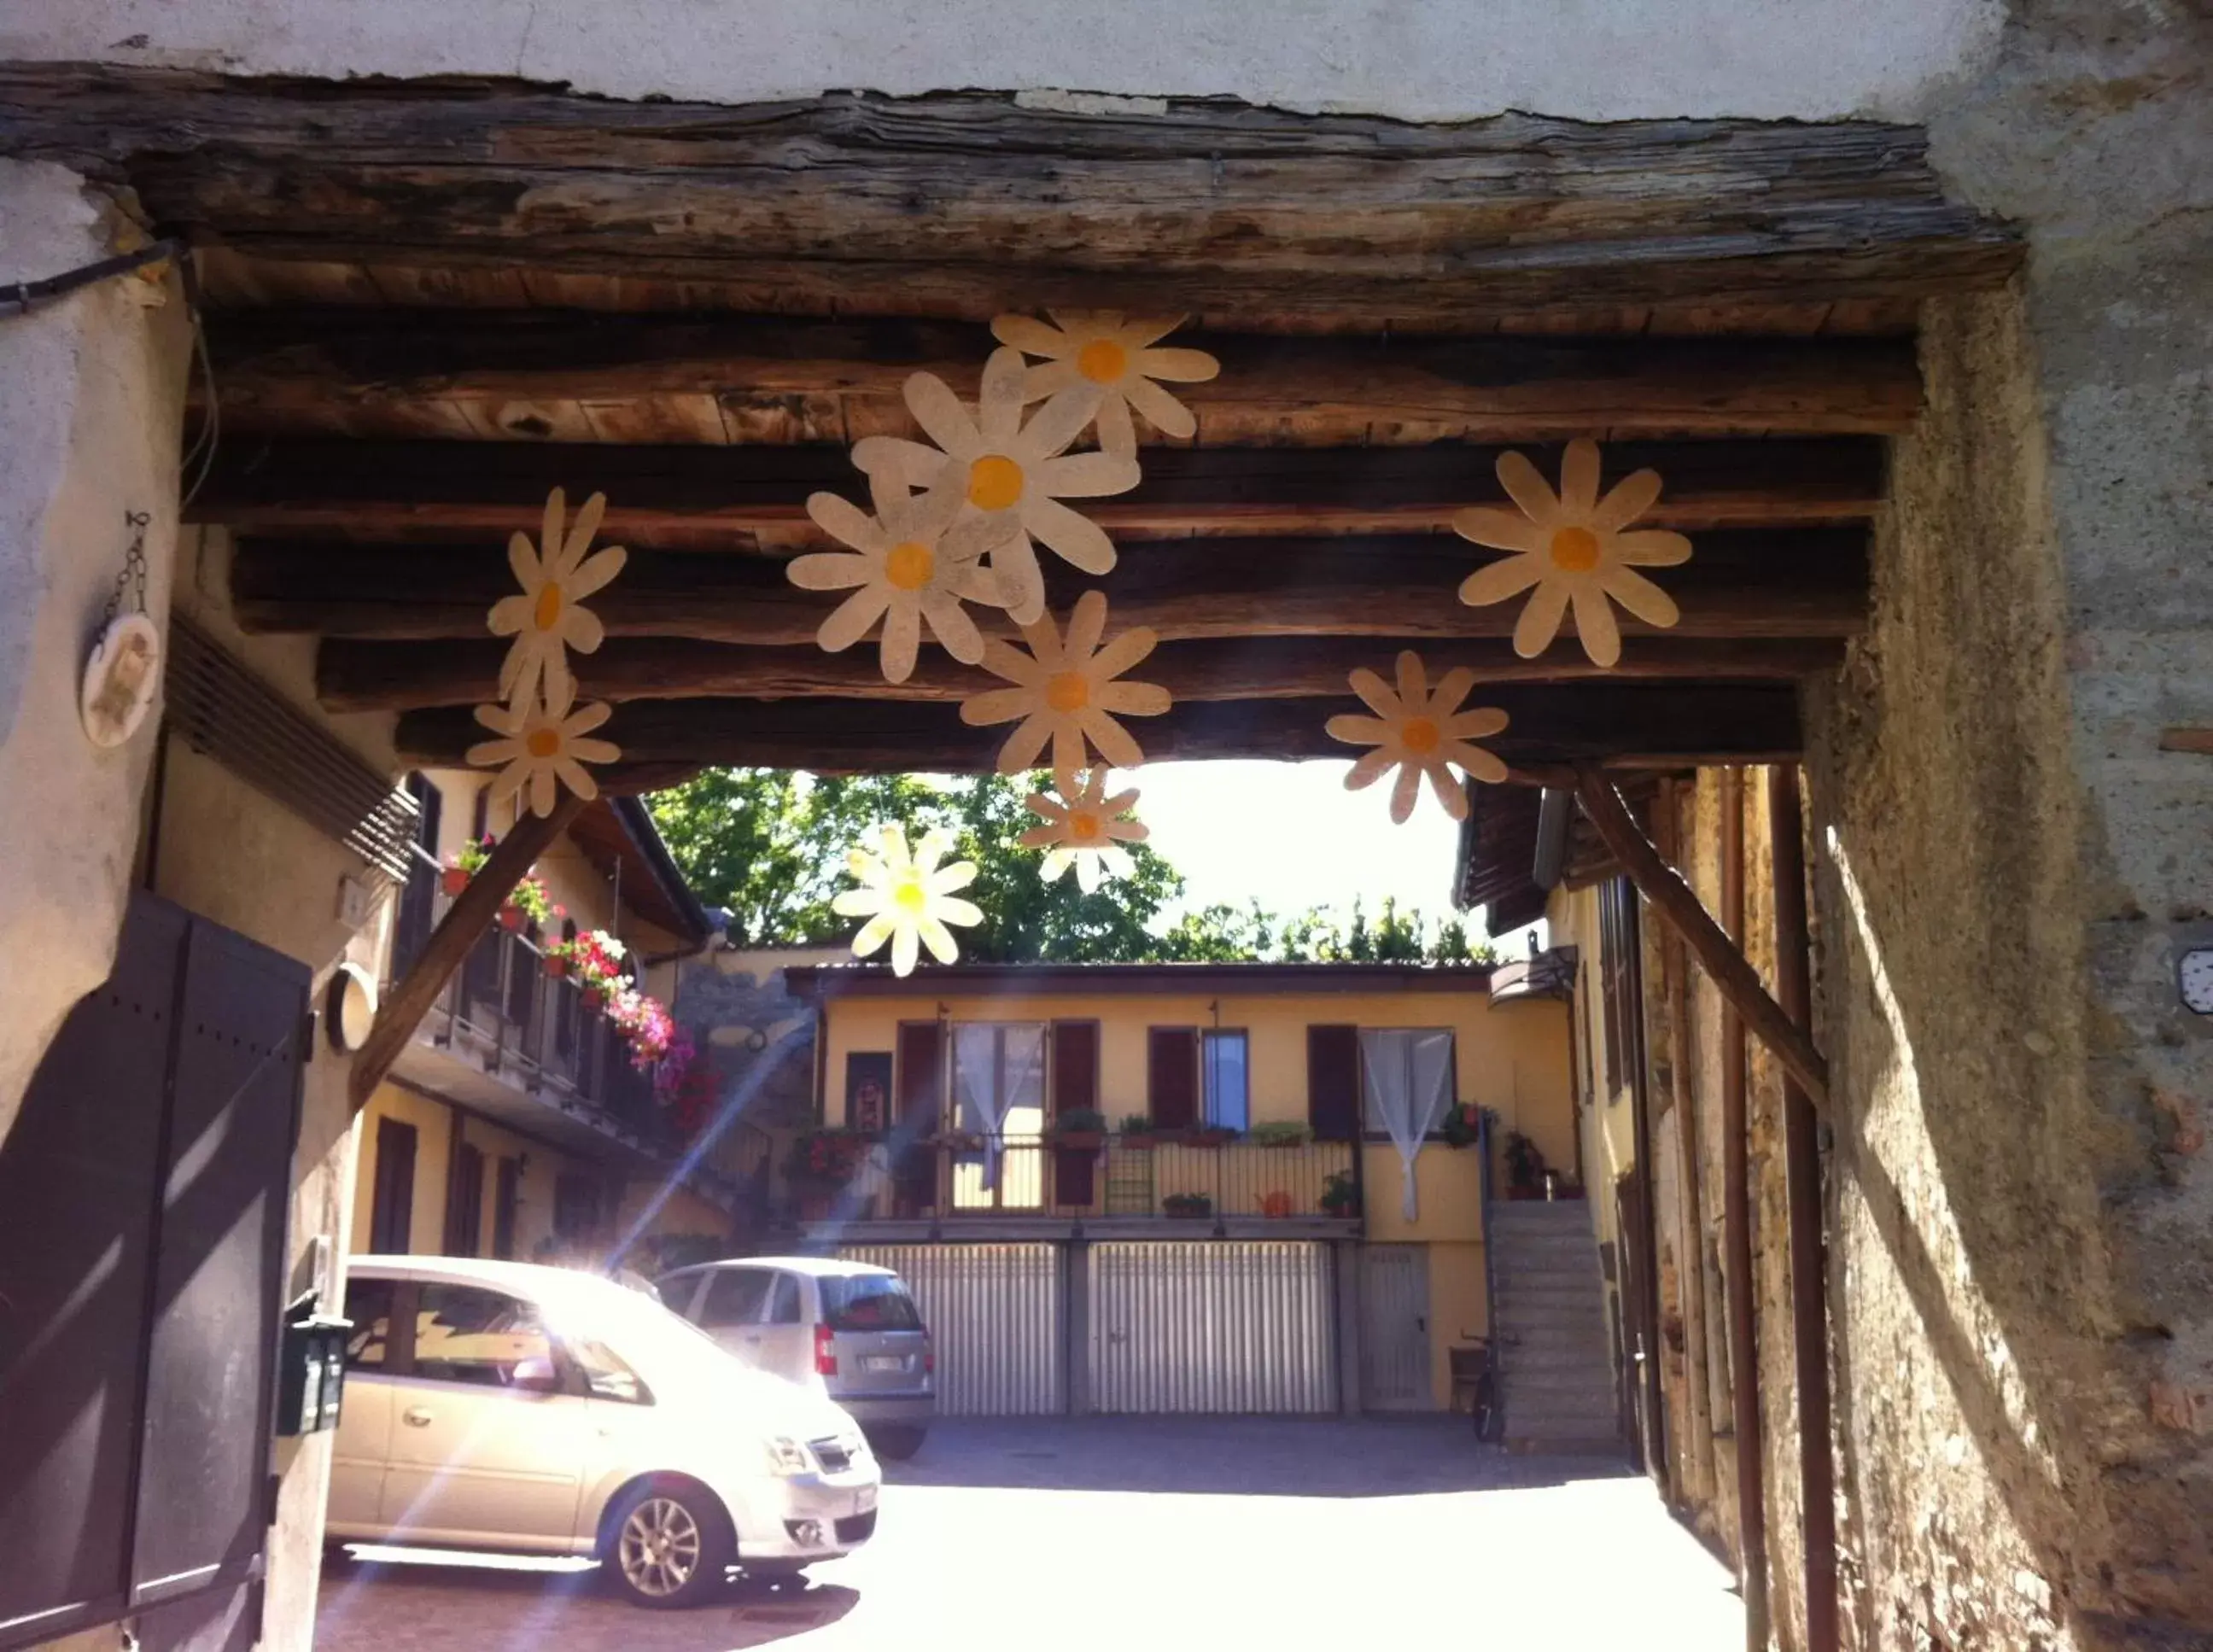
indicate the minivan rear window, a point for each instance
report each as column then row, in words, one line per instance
column 869, row 1301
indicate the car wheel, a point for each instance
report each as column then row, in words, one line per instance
column 669, row 1544
column 897, row 1443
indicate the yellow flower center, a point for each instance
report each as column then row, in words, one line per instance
column 1575, row 549
column 909, row 565
column 1083, row 826
column 1420, row 736
column 909, row 895
column 549, row 606
column 995, row 483
column 1068, row 691
column 542, row 742
column 1103, row 362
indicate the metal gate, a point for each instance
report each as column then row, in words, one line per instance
column 995, row 1315
column 1395, row 1329
column 1212, row 1327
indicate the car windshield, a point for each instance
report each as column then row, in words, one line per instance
column 869, row 1301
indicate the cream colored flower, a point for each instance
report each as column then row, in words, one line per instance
column 906, row 573
column 1066, row 692
column 908, row 899
column 1106, row 365
column 1010, row 476
column 548, row 617
column 542, row 742
column 1419, row 732
column 1572, row 547
column 1083, row 828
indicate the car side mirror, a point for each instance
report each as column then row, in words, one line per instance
column 536, row 1373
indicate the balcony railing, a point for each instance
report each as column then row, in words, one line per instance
column 1171, row 1179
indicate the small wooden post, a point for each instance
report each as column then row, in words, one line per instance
column 466, row 922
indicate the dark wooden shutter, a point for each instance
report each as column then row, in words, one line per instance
column 918, row 1081
column 465, row 1201
column 1074, row 1084
column 507, row 1197
column 1172, row 1075
column 1617, row 944
column 392, row 1203
column 1334, row 1082
column 418, row 915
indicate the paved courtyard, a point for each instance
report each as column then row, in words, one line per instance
column 1167, row 1533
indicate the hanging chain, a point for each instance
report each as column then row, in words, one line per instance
column 131, row 581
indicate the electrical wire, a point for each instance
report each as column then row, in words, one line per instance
column 18, row 298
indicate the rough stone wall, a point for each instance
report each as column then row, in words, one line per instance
column 91, row 405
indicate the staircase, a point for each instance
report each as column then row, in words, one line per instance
column 1555, row 1371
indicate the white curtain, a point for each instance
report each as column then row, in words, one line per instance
column 1408, row 1078
column 988, row 1091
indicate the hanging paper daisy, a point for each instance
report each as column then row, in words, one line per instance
column 1418, row 732
column 1066, row 691
column 908, row 571
column 908, row 899
column 542, row 746
column 1011, row 475
column 548, row 617
column 1085, row 829
column 1109, row 366
column 1572, row 547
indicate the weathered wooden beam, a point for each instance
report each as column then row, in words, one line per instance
column 1803, row 583
column 1683, row 725
column 277, row 366
column 466, row 922
column 496, row 487
column 966, row 202
column 356, row 676
column 1674, row 900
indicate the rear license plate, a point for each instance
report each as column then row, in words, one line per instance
column 882, row 1363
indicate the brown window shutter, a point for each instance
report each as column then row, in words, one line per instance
column 1334, row 1082
column 1172, row 1076
column 920, row 1080
column 1074, row 1066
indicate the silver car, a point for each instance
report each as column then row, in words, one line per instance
column 847, row 1330
column 504, row 1405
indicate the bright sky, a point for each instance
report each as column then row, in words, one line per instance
column 1289, row 835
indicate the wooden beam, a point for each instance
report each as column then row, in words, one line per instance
column 496, row 487
column 275, row 367
column 466, row 922
column 965, row 203
column 356, row 676
column 2199, row 740
column 1682, row 726
column 1740, row 584
column 1675, row 900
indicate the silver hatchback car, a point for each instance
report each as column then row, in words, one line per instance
column 846, row 1330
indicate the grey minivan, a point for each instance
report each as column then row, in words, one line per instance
column 848, row 1330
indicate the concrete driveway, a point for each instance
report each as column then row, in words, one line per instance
column 1131, row 1533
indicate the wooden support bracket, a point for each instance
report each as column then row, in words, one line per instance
column 465, row 923
column 1739, row 982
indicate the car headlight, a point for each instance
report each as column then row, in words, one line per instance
column 787, row 1456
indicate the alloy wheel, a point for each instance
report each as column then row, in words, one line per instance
column 659, row 1548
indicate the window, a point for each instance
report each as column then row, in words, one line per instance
column 1228, row 1099
column 1618, row 968
column 784, row 1303
column 998, row 1077
column 1408, row 1079
column 869, row 1301
column 734, row 1296
column 368, row 1305
column 507, row 1195
column 576, row 1206
column 465, row 1333
column 391, row 1200
column 607, row 1376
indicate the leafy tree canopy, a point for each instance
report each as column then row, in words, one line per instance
column 769, row 846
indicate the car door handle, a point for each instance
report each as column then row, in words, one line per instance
column 416, row 1417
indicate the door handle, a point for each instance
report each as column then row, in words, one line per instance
column 416, row 1417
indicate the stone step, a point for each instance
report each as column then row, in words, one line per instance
column 1582, row 1272
column 1519, row 1318
column 1557, row 1357
column 1553, row 1410
column 1572, row 1445
column 1536, row 1213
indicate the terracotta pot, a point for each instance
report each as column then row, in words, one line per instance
column 452, row 881
column 512, row 919
column 1080, row 1141
column 593, row 997
column 1138, row 1141
column 1210, row 1137
column 556, row 967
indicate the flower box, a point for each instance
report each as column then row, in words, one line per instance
column 452, row 880
column 1188, row 1206
column 1211, row 1137
column 1080, row 1141
column 593, row 997
column 556, row 965
column 512, row 919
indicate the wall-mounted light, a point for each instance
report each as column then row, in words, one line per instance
column 349, row 1008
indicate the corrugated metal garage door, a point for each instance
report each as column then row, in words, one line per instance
column 1212, row 1327
column 995, row 1314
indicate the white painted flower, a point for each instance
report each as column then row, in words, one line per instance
column 907, row 571
column 1418, row 732
column 1572, row 547
column 1106, row 365
column 542, row 746
column 908, row 899
column 548, row 617
column 1086, row 829
column 1065, row 692
column 1010, row 476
